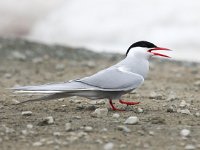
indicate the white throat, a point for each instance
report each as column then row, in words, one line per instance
column 137, row 61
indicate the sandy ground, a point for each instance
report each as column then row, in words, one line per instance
column 170, row 103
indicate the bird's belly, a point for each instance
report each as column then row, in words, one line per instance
column 100, row 94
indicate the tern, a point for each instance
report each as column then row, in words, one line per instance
column 110, row 83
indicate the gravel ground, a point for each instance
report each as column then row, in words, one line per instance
column 167, row 118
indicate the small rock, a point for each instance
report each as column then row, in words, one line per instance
column 156, row 96
column 185, row 132
column 99, row 141
column 172, row 97
column 56, row 133
column 79, row 107
column 140, row 110
column 197, row 114
column 151, row 133
column 24, row 132
column 101, row 102
column 76, row 117
column 116, row 115
column 37, row 60
column 108, row 146
column 123, row 146
column 37, row 144
column 124, row 128
column 104, row 130
column 60, row 67
column 47, row 121
column 100, row 112
column 90, row 64
column 18, row 55
column 183, row 104
column 190, row 147
column 26, row 113
column 8, row 75
column 90, row 107
column 171, row 109
column 29, row 126
column 68, row 127
column 88, row 128
column 184, row 111
column 15, row 101
column 197, row 83
column 132, row 120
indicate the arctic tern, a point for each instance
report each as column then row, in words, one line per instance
column 110, row 83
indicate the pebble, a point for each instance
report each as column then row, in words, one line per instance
column 37, row 144
column 100, row 112
column 68, row 127
column 108, row 146
column 132, row 120
column 56, row 133
column 183, row 104
column 124, row 128
column 123, row 146
column 24, row 132
column 26, row 113
column 101, row 102
column 29, row 126
column 190, row 147
column 8, row 75
column 37, row 60
column 197, row 83
column 104, row 130
column 172, row 97
column 15, row 101
column 197, row 114
column 88, row 128
column 116, row 115
column 76, row 117
column 90, row 64
column 171, row 109
column 185, row 132
column 18, row 55
column 140, row 110
column 60, row 67
column 49, row 120
column 156, row 96
column 184, row 111
column 151, row 133
column 46, row 121
column 99, row 141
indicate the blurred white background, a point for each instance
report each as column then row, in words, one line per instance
column 106, row 25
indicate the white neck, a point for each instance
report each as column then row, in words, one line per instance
column 136, row 61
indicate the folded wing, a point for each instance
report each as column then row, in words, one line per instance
column 110, row 79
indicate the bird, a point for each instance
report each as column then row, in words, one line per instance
column 110, row 83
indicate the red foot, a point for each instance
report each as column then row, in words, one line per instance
column 113, row 107
column 128, row 103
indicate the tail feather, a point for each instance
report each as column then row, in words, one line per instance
column 48, row 97
column 53, row 88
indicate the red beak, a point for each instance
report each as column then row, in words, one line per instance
column 158, row 54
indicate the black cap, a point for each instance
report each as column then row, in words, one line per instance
column 141, row 44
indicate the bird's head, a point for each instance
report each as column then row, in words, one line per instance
column 145, row 49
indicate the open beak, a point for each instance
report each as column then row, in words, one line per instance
column 158, row 54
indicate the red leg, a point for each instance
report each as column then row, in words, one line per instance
column 128, row 103
column 113, row 107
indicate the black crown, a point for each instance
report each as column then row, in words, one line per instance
column 141, row 44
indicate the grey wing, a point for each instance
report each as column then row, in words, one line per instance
column 112, row 79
